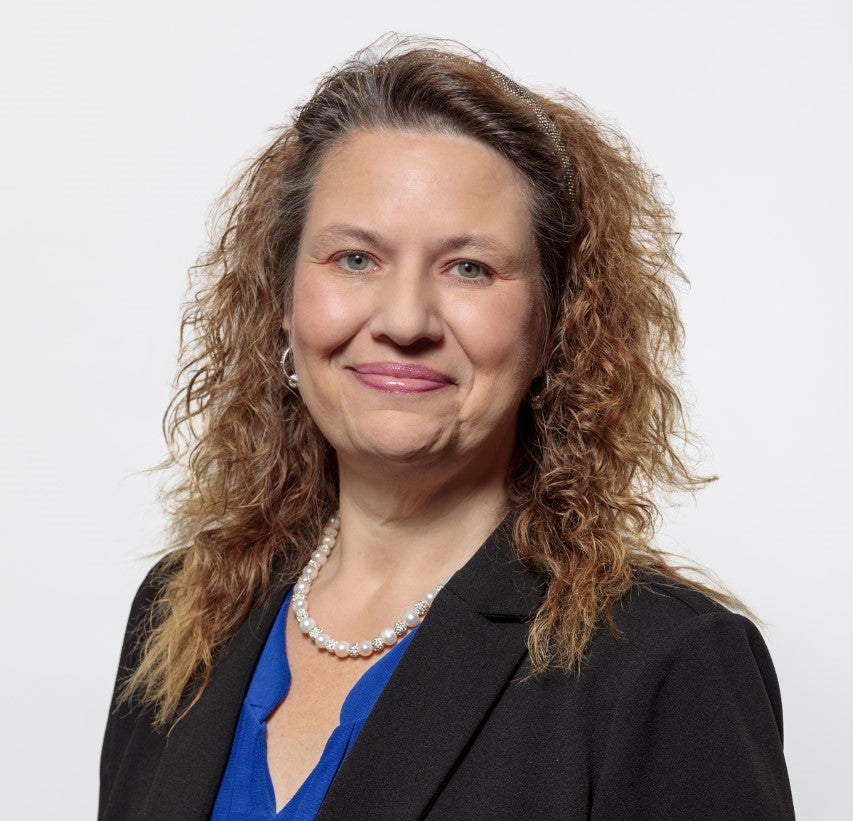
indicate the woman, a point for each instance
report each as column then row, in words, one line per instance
column 426, row 403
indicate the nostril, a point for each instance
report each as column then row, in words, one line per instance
column 407, row 322
column 408, row 340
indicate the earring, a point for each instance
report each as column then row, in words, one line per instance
column 292, row 378
column 536, row 402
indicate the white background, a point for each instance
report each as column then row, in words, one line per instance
column 121, row 123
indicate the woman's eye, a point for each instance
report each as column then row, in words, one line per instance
column 470, row 270
column 355, row 261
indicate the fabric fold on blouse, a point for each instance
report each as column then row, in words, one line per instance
column 246, row 792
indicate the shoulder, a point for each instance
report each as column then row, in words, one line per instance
column 682, row 668
column 661, row 625
column 124, row 719
column 138, row 621
column 692, row 701
column 656, row 603
column 156, row 579
column 658, row 610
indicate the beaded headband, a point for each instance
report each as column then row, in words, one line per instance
column 512, row 87
column 509, row 86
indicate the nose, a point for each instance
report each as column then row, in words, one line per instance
column 406, row 308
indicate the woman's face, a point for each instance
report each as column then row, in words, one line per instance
column 415, row 320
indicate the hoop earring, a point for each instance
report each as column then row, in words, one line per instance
column 290, row 375
column 537, row 401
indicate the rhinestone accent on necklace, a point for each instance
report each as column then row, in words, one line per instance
column 387, row 637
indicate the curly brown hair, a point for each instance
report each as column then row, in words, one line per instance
column 605, row 434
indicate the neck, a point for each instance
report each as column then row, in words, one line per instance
column 414, row 524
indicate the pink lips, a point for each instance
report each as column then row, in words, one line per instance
column 400, row 377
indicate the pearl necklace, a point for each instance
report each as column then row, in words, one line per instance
column 387, row 636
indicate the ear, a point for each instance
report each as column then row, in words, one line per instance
column 287, row 312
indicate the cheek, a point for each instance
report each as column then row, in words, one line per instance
column 503, row 335
column 322, row 318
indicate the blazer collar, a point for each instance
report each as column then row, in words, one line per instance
column 459, row 661
column 494, row 583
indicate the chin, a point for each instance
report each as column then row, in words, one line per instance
column 400, row 441
column 398, row 458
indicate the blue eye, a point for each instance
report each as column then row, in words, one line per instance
column 470, row 270
column 355, row 261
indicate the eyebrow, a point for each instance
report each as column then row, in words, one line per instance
column 478, row 242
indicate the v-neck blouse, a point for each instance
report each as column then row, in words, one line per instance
column 246, row 791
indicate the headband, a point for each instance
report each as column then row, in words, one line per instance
column 509, row 86
column 512, row 87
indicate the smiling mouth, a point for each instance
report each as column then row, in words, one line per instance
column 400, row 377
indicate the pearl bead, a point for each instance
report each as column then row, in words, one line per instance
column 387, row 637
column 411, row 619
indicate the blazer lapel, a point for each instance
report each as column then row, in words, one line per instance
column 454, row 670
column 196, row 751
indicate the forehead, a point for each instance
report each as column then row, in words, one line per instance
column 373, row 147
column 419, row 185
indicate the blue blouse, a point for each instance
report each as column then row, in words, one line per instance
column 246, row 792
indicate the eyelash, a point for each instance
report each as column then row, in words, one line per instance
column 488, row 274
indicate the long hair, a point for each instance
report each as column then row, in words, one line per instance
column 604, row 435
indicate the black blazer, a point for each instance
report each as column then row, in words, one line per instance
column 679, row 718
